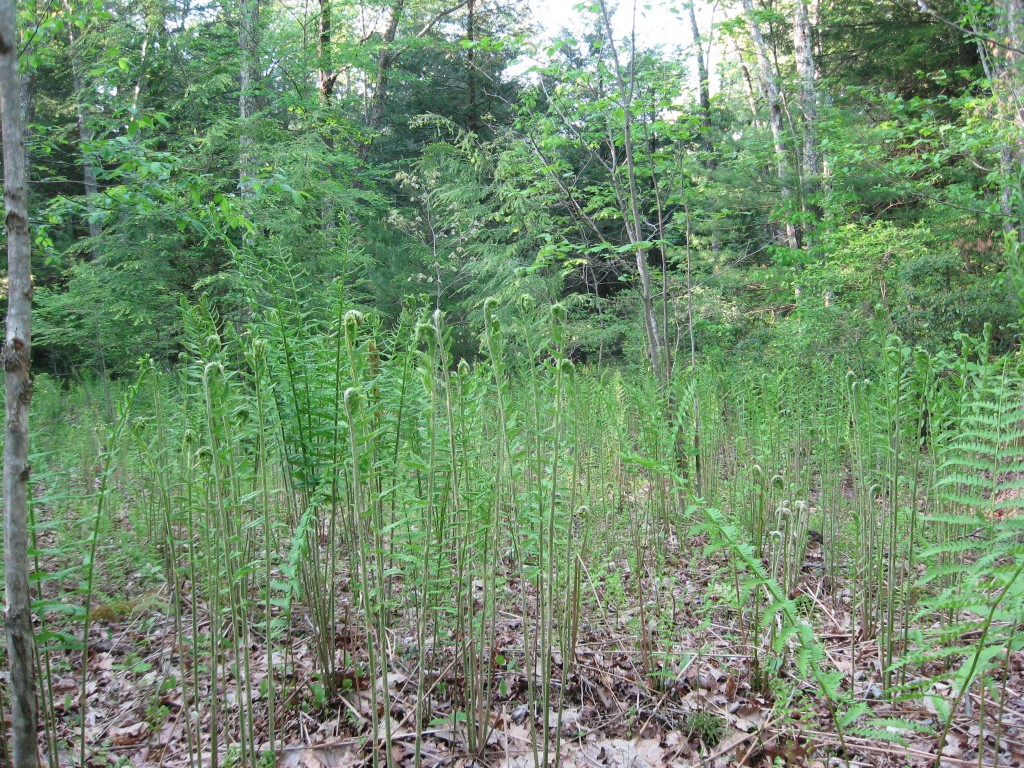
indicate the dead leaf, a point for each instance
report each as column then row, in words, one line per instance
column 131, row 734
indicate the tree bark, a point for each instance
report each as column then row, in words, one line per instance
column 249, row 75
column 749, row 91
column 154, row 40
column 704, row 85
column 803, row 44
column 770, row 84
column 1009, row 90
column 388, row 55
column 326, row 77
column 657, row 348
column 473, row 122
column 385, row 59
column 18, row 388
column 85, row 134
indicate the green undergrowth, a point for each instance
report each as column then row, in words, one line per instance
column 311, row 472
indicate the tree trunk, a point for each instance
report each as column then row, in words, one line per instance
column 385, row 59
column 749, row 91
column 770, row 84
column 704, row 92
column 702, row 68
column 803, row 45
column 153, row 41
column 85, row 134
column 1009, row 90
column 472, row 98
column 326, row 77
column 657, row 347
column 249, row 75
column 18, row 388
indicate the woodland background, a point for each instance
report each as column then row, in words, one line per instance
column 857, row 183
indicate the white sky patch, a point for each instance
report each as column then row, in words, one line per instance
column 655, row 23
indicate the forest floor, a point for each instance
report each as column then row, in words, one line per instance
column 633, row 698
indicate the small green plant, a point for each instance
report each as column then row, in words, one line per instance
column 157, row 713
column 704, row 726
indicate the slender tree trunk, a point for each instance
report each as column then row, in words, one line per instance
column 773, row 101
column 472, row 86
column 85, row 134
column 89, row 176
column 388, row 55
column 1012, row 33
column 749, row 91
column 156, row 30
column 385, row 59
column 16, row 356
column 803, row 44
column 704, row 93
column 656, row 347
column 326, row 77
column 1009, row 88
column 249, row 75
column 704, row 84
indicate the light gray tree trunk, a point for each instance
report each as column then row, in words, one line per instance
column 18, row 389
column 249, row 75
column 704, row 86
column 1009, row 89
column 85, row 134
column 773, row 101
column 657, row 348
column 810, row 160
column 749, row 91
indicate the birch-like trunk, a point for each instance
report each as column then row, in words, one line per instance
column 704, row 85
column 773, row 101
column 473, row 121
column 656, row 347
column 85, row 133
column 810, row 159
column 249, row 75
column 16, row 356
column 1009, row 90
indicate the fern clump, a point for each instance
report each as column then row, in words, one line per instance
column 974, row 569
